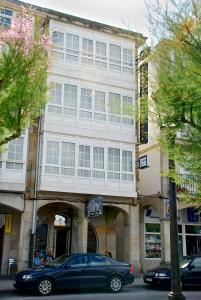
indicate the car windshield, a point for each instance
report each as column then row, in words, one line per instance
column 58, row 261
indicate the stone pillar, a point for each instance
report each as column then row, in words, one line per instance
column 26, row 225
column 134, row 237
column 165, row 240
column 82, row 234
column 126, row 241
column 50, row 234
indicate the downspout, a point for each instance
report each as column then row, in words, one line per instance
column 33, row 227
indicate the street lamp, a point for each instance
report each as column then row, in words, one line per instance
column 176, row 291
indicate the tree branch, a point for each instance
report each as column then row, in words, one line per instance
column 11, row 137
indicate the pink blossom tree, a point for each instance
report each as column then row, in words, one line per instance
column 23, row 71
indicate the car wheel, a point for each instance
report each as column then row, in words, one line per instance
column 44, row 287
column 115, row 284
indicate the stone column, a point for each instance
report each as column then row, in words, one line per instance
column 134, row 237
column 82, row 234
column 26, row 225
column 165, row 240
column 50, row 233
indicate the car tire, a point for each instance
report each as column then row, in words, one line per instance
column 115, row 284
column 44, row 287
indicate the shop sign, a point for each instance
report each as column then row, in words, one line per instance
column 143, row 162
column 8, row 223
column 95, row 207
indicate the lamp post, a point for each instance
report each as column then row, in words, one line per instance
column 176, row 291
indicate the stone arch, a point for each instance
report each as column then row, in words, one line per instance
column 112, row 230
column 56, row 229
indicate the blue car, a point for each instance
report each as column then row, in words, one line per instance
column 85, row 270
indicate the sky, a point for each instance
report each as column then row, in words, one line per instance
column 128, row 14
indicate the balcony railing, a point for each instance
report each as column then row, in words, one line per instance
column 188, row 183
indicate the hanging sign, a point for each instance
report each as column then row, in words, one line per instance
column 8, row 223
column 95, row 207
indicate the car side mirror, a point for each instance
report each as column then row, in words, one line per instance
column 191, row 267
column 66, row 267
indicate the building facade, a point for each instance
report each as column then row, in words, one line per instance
column 69, row 184
column 154, row 192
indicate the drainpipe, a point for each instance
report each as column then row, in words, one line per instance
column 33, row 227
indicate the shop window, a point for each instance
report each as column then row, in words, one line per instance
column 190, row 229
column 152, row 240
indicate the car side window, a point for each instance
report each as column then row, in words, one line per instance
column 78, row 261
column 96, row 260
column 197, row 263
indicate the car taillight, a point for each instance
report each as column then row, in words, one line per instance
column 131, row 268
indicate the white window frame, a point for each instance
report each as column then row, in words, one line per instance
column 98, row 163
column 113, row 173
column 114, row 108
column 16, row 147
column 127, row 110
column 99, row 112
column 72, row 51
column 84, row 165
column 86, row 96
column 52, row 166
column 127, row 60
column 115, row 58
column 127, row 166
column 70, row 107
column 5, row 17
column 101, row 54
column 55, row 107
column 58, row 48
column 87, row 51
column 67, row 159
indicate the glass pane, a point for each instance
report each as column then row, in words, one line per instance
column 193, row 229
column 149, row 227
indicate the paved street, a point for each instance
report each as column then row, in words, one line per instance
column 137, row 291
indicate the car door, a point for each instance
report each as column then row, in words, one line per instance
column 192, row 274
column 98, row 271
column 72, row 272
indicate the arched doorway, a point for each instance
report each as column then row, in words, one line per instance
column 112, row 231
column 92, row 242
column 56, row 228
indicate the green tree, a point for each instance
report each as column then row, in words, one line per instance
column 23, row 68
column 177, row 86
